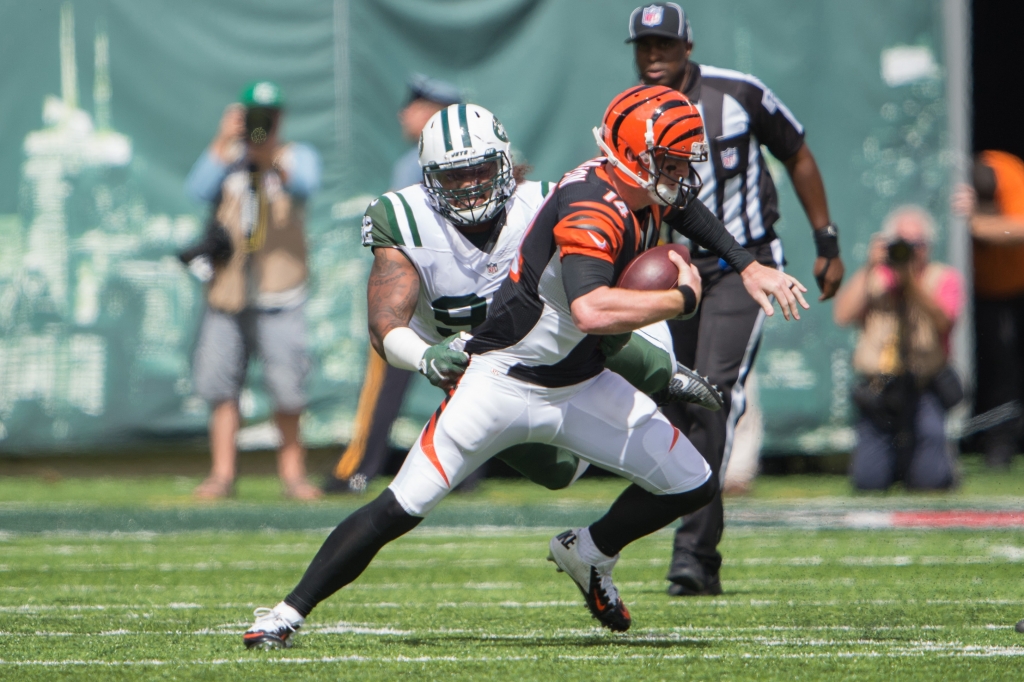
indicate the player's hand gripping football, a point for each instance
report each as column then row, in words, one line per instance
column 442, row 365
column 689, row 275
column 762, row 282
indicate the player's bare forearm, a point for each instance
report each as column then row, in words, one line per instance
column 608, row 310
column 391, row 294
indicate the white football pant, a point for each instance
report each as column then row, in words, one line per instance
column 604, row 420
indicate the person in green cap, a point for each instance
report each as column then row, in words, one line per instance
column 258, row 187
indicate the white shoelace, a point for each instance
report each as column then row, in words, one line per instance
column 274, row 620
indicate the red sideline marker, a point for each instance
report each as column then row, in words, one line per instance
column 957, row 519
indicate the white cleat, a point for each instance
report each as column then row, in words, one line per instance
column 593, row 580
column 273, row 629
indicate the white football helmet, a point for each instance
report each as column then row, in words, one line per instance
column 466, row 162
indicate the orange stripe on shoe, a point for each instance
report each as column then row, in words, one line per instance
column 427, row 443
column 675, row 437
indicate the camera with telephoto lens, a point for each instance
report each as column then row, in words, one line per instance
column 899, row 252
column 259, row 123
column 214, row 249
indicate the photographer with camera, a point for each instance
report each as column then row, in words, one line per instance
column 253, row 261
column 906, row 307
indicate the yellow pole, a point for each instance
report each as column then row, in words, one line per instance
column 349, row 462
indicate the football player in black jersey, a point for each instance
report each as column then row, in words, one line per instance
column 536, row 371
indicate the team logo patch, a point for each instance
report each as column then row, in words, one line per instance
column 652, row 16
column 730, row 158
column 499, row 131
column 264, row 93
column 492, row 268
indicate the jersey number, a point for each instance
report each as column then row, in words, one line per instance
column 458, row 313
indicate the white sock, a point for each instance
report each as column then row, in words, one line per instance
column 289, row 613
column 588, row 550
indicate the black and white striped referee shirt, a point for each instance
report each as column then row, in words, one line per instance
column 741, row 114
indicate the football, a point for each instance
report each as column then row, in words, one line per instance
column 652, row 270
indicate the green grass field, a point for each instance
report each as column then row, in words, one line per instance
column 458, row 600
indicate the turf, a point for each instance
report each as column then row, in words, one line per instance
column 471, row 602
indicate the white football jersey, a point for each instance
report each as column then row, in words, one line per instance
column 457, row 279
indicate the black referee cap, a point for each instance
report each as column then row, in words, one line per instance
column 665, row 19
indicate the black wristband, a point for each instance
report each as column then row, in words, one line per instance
column 689, row 299
column 826, row 241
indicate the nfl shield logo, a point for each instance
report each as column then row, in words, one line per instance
column 652, row 15
column 730, row 158
column 492, row 268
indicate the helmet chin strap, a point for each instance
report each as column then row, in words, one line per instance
column 652, row 188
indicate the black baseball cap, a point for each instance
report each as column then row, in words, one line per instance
column 665, row 19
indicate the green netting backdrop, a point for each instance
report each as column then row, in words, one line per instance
column 101, row 120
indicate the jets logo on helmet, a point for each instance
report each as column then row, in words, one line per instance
column 466, row 162
column 651, row 135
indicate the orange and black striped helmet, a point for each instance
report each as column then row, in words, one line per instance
column 652, row 133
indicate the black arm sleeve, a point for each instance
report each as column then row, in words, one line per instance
column 582, row 274
column 701, row 225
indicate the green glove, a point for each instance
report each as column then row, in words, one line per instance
column 443, row 366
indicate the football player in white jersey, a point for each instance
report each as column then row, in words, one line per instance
column 441, row 250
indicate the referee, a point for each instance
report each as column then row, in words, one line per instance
column 721, row 341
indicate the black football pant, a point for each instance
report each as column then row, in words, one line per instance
column 999, row 348
column 720, row 341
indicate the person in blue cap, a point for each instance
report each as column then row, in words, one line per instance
column 427, row 96
column 384, row 386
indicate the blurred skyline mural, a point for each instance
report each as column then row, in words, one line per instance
column 113, row 100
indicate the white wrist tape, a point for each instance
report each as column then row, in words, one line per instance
column 404, row 349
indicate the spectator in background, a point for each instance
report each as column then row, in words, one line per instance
column 384, row 386
column 427, row 96
column 906, row 307
column 259, row 186
column 996, row 209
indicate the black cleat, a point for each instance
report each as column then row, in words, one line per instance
column 689, row 578
column 594, row 581
column 1020, row 626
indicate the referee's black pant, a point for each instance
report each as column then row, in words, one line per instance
column 720, row 341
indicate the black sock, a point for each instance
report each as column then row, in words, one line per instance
column 348, row 550
column 638, row 513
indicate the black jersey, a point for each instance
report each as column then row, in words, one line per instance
column 741, row 114
column 581, row 238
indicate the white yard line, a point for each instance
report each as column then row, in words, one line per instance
column 506, row 604
column 997, row 555
column 957, row 652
